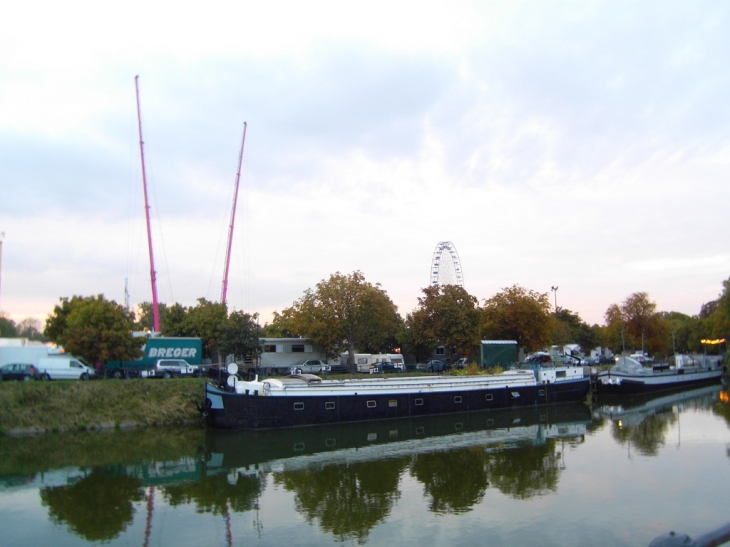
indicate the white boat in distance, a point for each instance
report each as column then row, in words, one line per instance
column 629, row 376
column 305, row 399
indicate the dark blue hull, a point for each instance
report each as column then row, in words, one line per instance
column 637, row 386
column 228, row 410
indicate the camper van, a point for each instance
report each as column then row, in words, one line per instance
column 64, row 368
column 365, row 360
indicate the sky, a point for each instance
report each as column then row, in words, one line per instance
column 577, row 145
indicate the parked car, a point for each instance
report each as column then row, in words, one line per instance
column 461, row 363
column 167, row 368
column 21, row 371
column 64, row 367
column 433, row 365
column 311, row 366
column 382, row 368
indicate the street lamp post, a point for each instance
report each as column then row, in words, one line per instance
column 555, row 293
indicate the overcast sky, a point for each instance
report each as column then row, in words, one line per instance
column 583, row 145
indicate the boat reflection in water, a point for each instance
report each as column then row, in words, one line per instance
column 642, row 421
column 297, row 448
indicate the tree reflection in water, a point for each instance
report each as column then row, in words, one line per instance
column 455, row 481
column 525, row 472
column 347, row 499
column 98, row 507
column 646, row 437
column 219, row 494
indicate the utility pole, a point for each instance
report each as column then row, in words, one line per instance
column 555, row 292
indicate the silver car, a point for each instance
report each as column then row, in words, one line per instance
column 311, row 366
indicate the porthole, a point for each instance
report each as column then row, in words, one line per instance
column 329, row 405
column 419, row 402
column 372, row 404
column 541, row 392
column 392, row 403
column 490, row 396
column 457, row 399
column 298, row 406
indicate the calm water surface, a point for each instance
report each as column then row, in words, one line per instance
column 564, row 475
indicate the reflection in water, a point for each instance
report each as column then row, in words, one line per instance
column 78, row 504
column 454, row 481
column 346, row 479
column 642, row 422
column 348, row 500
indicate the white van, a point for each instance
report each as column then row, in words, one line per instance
column 64, row 368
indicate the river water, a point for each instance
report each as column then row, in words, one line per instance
column 615, row 474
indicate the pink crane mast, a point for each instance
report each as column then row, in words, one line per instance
column 224, row 290
column 153, row 278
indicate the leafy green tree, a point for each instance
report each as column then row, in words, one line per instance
column 147, row 317
column 569, row 328
column 207, row 321
column 447, row 315
column 7, row 327
column 345, row 313
column 638, row 324
column 175, row 322
column 518, row 314
column 239, row 335
column 93, row 328
column 280, row 326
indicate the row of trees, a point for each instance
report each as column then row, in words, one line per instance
column 100, row 330
column 27, row 328
column 346, row 313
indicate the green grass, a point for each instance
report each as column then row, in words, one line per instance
column 74, row 405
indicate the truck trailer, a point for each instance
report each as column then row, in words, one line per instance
column 156, row 349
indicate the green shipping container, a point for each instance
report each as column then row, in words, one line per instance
column 501, row 353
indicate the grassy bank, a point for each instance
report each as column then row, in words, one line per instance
column 77, row 406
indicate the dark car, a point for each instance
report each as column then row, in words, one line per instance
column 432, row 366
column 382, row 368
column 21, row 371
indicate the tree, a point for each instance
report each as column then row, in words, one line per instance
column 7, row 327
column 207, row 321
column 239, row 335
column 93, row 328
column 638, row 325
column 280, row 326
column 447, row 315
column 147, row 317
column 518, row 314
column 569, row 328
column 345, row 313
column 30, row 328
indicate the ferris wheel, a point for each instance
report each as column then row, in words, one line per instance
column 445, row 266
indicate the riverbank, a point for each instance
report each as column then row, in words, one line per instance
column 44, row 407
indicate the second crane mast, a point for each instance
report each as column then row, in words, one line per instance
column 224, row 289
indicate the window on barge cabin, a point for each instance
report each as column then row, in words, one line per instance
column 297, row 348
column 560, row 373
